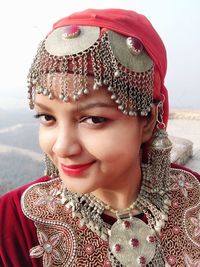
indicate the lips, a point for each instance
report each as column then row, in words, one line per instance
column 77, row 169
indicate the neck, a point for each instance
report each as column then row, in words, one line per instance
column 122, row 195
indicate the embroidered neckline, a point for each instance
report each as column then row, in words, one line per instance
column 32, row 194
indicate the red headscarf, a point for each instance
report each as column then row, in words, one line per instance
column 128, row 23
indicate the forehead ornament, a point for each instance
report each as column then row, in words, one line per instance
column 126, row 70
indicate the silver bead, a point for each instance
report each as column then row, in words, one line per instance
column 65, row 99
column 40, row 90
column 113, row 97
column 143, row 113
column 61, row 96
column 50, row 96
column 75, row 97
column 110, row 89
column 117, row 74
column 121, row 107
column 164, row 217
column 34, row 81
column 132, row 113
column 80, row 92
column 37, row 90
column 125, row 112
column 95, row 86
column 99, row 83
column 85, row 91
column 105, row 82
column 45, row 92
column 118, row 101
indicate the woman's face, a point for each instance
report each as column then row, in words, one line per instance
column 93, row 145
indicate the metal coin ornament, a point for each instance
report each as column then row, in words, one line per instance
column 70, row 40
column 132, row 242
column 130, row 52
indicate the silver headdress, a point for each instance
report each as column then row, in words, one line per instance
column 115, row 61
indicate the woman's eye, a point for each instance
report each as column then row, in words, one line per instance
column 45, row 118
column 93, row 120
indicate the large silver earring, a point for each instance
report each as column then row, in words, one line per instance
column 50, row 168
column 159, row 154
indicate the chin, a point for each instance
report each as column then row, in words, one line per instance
column 79, row 186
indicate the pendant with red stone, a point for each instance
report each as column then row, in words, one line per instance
column 132, row 242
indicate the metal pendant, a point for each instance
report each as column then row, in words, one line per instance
column 132, row 242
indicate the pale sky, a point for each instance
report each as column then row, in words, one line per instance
column 25, row 23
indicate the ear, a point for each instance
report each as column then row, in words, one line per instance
column 149, row 124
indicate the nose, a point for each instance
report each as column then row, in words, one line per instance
column 67, row 143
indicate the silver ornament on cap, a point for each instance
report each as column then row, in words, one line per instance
column 62, row 41
column 134, row 45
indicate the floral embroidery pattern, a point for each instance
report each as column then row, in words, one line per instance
column 196, row 222
column 190, row 262
column 47, row 249
column 181, row 184
column 49, row 199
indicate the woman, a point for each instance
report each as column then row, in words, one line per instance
column 110, row 196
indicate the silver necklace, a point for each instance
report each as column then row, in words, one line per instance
column 131, row 241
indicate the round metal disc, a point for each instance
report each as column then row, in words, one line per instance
column 56, row 45
column 119, row 242
column 137, row 63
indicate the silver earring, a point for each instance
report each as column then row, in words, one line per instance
column 159, row 154
column 50, row 168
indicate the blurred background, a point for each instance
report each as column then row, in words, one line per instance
column 23, row 24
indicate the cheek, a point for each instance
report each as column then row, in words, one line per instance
column 112, row 145
column 46, row 140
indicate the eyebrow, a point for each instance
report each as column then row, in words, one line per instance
column 82, row 107
column 92, row 105
column 40, row 105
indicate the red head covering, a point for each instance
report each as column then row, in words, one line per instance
column 128, row 23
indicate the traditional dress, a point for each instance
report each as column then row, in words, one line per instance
column 37, row 230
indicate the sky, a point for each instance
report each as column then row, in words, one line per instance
column 23, row 24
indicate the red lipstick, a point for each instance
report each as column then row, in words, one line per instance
column 77, row 169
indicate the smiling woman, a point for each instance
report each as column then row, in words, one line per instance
column 81, row 137
column 110, row 196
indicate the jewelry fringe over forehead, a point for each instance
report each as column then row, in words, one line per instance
column 120, row 63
